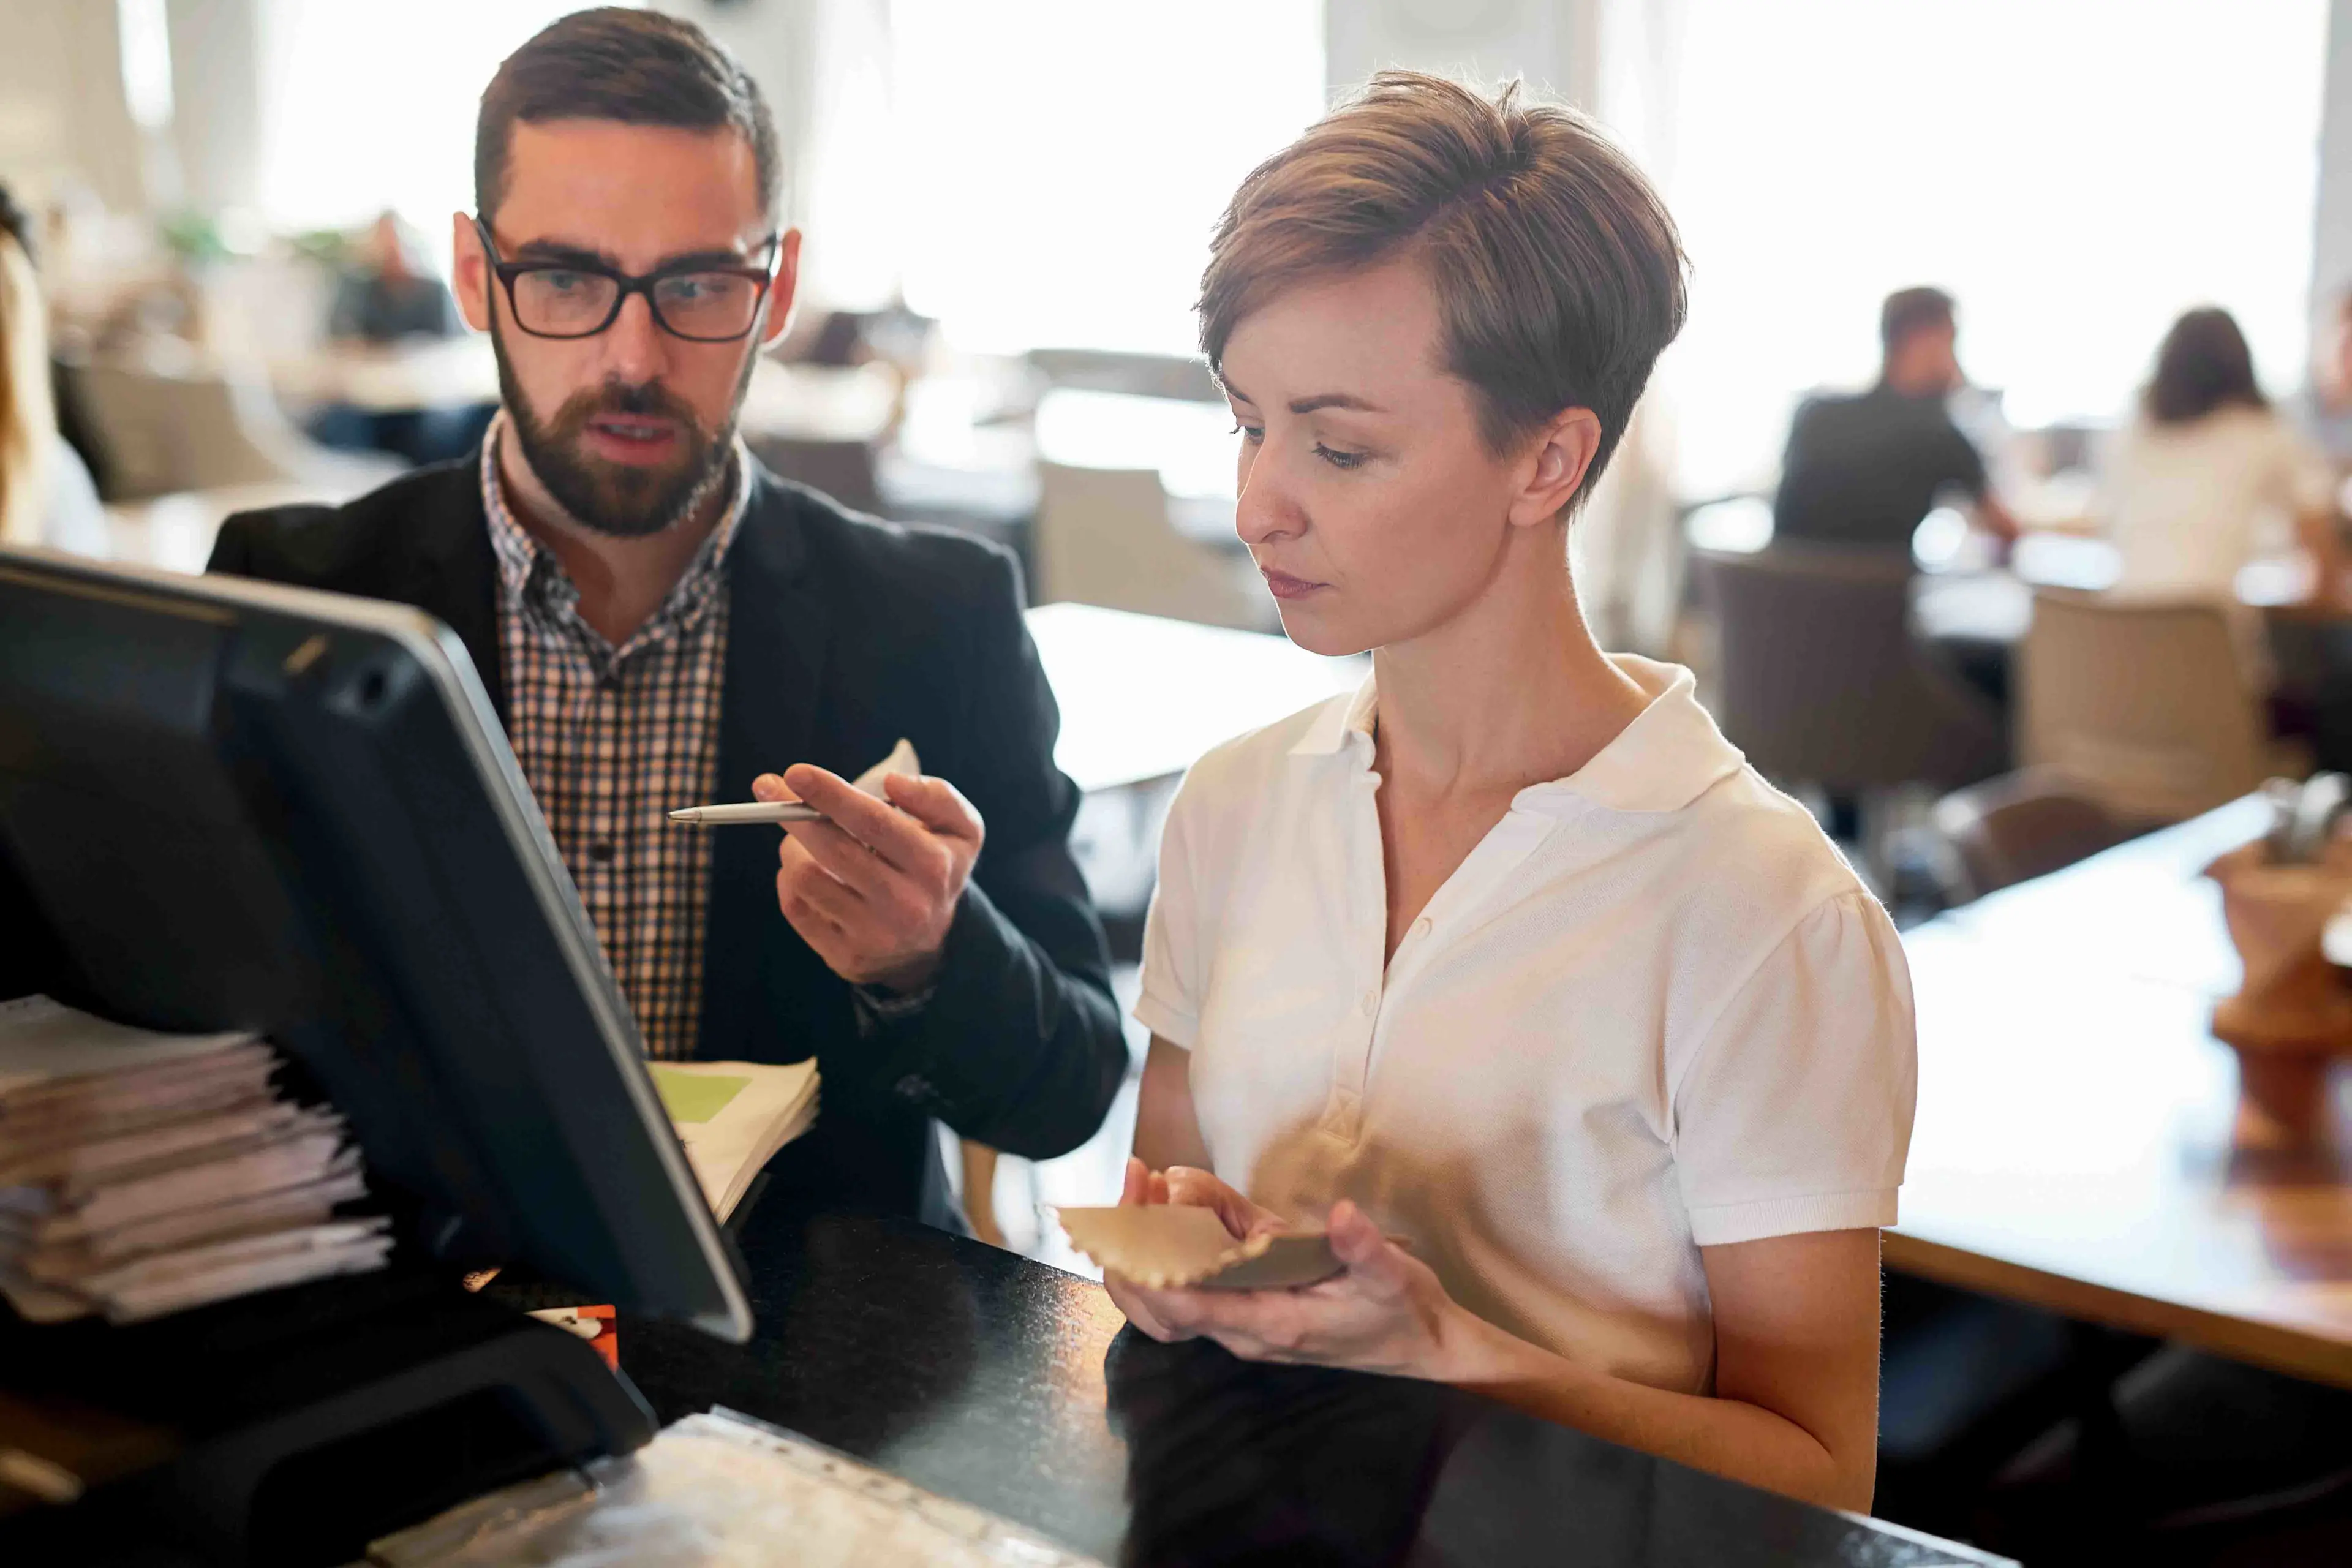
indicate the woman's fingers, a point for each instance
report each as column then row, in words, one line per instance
column 1201, row 1189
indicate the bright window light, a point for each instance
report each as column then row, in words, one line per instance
column 1061, row 163
column 2076, row 175
column 145, row 38
column 369, row 107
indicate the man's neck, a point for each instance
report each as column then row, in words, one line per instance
column 622, row 581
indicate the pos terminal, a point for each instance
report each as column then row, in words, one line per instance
column 227, row 804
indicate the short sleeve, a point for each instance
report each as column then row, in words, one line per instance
column 1170, row 1004
column 1795, row 1112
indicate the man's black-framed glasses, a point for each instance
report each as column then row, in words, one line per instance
column 698, row 301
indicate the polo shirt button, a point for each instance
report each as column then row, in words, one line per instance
column 1370, row 1004
column 1421, row 926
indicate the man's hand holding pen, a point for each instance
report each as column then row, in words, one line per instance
column 873, row 886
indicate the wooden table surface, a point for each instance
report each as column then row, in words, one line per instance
column 2074, row 1145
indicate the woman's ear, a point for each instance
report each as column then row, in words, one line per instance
column 1555, row 461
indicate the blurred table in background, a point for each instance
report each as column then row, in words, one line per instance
column 394, row 378
column 1991, row 606
column 959, row 457
column 1143, row 696
column 2074, row 1148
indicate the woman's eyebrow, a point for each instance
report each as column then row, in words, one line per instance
column 1334, row 400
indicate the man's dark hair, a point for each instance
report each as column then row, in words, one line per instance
column 2203, row 365
column 639, row 67
column 1909, row 311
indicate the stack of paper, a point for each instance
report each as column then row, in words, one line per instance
column 141, row 1174
column 733, row 1117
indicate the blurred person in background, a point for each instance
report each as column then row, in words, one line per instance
column 2323, row 411
column 386, row 296
column 1864, row 469
column 46, row 493
column 2207, row 476
column 391, row 294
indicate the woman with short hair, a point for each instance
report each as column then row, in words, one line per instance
column 1510, row 955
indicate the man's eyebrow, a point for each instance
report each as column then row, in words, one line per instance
column 560, row 250
column 573, row 255
column 1334, row 400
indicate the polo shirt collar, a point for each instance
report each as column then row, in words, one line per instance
column 1671, row 753
column 1337, row 721
column 1666, row 758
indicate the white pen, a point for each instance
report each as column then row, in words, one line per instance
column 768, row 811
column 901, row 761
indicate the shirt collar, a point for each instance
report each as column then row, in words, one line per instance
column 1666, row 758
column 520, row 558
column 1337, row 722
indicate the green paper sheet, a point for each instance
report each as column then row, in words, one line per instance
column 692, row 1096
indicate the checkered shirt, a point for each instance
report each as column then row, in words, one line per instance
column 611, row 739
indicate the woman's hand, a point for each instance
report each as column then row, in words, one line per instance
column 1196, row 1189
column 1387, row 1312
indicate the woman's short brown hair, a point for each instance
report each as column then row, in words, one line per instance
column 1558, row 270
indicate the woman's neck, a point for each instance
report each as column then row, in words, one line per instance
column 1511, row 691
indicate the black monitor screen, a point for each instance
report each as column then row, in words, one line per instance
column 227, row 805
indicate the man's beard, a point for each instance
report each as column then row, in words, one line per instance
column 620, row 500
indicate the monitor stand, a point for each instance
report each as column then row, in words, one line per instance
column 311, row 1421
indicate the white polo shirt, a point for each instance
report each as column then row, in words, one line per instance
column 1652, row 1011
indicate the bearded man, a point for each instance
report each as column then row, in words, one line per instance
column 661, row 623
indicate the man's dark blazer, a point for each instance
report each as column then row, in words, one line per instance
column 844, row 635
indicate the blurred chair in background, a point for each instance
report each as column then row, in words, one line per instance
column 2310, row 650
column 1821, row 683
column 2146, row 707
column 200, row 430
column 1103, row 537
column 2020, row 826
column 843, row 469
column 187, row 450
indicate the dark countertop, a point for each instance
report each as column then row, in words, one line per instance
column 1006, row 1384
